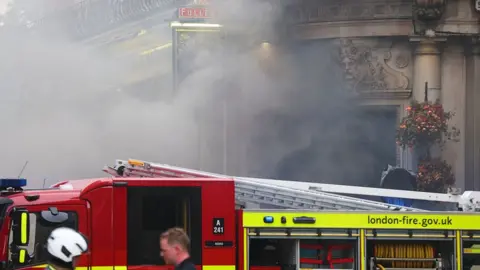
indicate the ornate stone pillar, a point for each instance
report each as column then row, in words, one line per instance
column 427, row 68
column 472, row 119
column 453, row 99
column 427, row 60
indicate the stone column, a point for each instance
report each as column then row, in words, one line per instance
column 472, row 120
column 426, row 68
column 453, row 99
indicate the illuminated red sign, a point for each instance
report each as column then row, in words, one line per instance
column 193, row 13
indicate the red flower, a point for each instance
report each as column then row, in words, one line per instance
column 434, row 175
column 425, row 123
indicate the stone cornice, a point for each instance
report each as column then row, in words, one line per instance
column 314, row 11
column 386, row 94
column 328, row 30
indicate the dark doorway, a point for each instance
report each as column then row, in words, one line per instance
column 352, row 149
column 376, row 128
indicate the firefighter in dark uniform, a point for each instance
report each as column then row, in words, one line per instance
column 174, row 249
column 63, row 247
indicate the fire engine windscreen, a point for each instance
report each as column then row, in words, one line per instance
column 4, row 203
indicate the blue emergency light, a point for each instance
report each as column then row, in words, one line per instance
column 13, row 182
column 398, row 201
column 268, row 219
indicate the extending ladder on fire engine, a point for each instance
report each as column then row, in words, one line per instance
column 256, row 191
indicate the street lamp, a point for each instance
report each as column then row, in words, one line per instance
column 178, row 26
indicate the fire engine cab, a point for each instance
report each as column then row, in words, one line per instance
column 235, row 223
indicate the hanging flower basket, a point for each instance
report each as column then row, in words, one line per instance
column 434, row 175
column 424, row 125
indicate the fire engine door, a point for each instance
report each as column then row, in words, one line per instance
column 44, row 219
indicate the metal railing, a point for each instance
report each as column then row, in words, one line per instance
column 93, row 17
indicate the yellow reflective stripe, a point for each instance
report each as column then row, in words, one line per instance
column 387, row 220
column 245, row 249
column 218, row 267
column 23, row 228
column 21, row 256
column 458, row 246
column 362, row 249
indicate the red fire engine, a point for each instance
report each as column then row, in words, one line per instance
column 124, row 215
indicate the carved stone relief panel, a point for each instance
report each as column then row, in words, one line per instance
column 311, row 11
column 376, row 67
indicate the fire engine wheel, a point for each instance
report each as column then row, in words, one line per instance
column 408, row 251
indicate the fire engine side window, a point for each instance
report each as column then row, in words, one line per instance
column 151, row 211
column 39, row 231
column 31, row 244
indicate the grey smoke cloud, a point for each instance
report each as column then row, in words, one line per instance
column 4, row 6
column 288, row 115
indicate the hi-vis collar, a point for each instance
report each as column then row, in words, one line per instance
column 49, row 267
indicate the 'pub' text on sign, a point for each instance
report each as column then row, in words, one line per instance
column 193, row 13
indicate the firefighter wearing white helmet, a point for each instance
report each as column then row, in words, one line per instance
column 64, row 245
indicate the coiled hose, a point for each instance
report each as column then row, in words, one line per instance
column 409, row 251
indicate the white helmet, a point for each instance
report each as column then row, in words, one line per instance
column 65, row 244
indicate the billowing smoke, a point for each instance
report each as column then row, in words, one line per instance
column 277, row 109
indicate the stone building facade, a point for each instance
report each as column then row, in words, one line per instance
column 389, row 49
